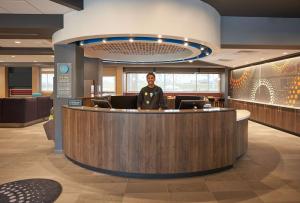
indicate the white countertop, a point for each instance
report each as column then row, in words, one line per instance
column 242, row 114
column 256, row 102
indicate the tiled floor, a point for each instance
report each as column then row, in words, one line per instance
column 270, row 172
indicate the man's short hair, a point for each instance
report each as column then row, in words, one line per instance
column 150, row 73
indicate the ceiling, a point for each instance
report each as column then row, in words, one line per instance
column 257, row 8
column 25, row 43
column 225, row 57
column 32, row 7
column 241, row 57
column 26, row 58
column 31, row 38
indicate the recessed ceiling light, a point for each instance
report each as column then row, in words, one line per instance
column 191, row 61
column 13, row 56
column 186, row 44
column 206, row 53
column 159, row 40
column 186, row 39
column 284, row 53
column 202, row 48
column 81, row 43
column 104, row 40
column 159, row 36
column 130, row 40
column 17, row 42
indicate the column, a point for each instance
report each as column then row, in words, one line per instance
column 69, row 64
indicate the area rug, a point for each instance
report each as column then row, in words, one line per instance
column 30, row 191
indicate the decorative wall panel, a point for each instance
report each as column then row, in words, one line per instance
column 274, row 83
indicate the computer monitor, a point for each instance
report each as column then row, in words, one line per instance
column 124, row 102
column 179, row 98
column 192, row 104
column 101, row 103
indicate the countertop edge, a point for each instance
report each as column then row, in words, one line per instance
column 275, row 105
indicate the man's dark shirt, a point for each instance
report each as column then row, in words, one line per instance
column 151, row 98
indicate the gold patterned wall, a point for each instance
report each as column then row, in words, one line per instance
column 275, row 83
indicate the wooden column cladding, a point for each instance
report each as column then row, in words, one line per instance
column 150, row 143
column 241, row 137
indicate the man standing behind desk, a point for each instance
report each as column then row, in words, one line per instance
column 151, row 96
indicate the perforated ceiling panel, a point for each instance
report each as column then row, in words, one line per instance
column 143, row 49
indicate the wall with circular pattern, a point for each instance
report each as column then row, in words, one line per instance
column 274, row 83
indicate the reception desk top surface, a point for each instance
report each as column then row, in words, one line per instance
column 112, row 110
column 269, row 104
column 240, row 114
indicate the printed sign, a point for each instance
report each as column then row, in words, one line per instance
column 64, row 80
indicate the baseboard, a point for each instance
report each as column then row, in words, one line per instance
column 21, row 125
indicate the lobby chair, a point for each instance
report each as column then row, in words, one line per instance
column 221, row 102
column 212, row 101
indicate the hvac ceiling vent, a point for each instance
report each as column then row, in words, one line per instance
column 246, row 52
column 225, row 60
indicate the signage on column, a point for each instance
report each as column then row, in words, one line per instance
column 64, row 80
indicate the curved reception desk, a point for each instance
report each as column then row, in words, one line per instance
column 154, row 143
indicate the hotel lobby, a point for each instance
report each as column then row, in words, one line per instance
column 72, row 128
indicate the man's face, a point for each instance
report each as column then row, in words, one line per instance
column 150, row 79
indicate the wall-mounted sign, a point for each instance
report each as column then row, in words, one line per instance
column 64, row 80
column 64, row 68
column 75, row 102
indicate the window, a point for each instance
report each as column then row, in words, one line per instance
column 135, row 81
column 208, row 82
column 109, row 84
column 47, row 81
column 175, row 82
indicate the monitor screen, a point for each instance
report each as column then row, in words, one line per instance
column 20, row 77
column 179, row 98
column 192, row 104
column 124, row 102
column 101, row 103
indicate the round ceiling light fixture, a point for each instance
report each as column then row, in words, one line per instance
column 143, row 50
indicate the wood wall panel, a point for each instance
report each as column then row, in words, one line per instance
column 283, row 118
column 3, row 82
column 151, row 143
column 36, row 86
column 298, row 121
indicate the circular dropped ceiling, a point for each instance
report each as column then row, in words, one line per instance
column 131, row 31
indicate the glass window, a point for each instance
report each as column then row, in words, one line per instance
column 176, row 82
column 184, row 83
column 135, row 81
column 208, row 82
column 214, row 82
column 109, row 84
column 47, row 81
column 202, row 82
